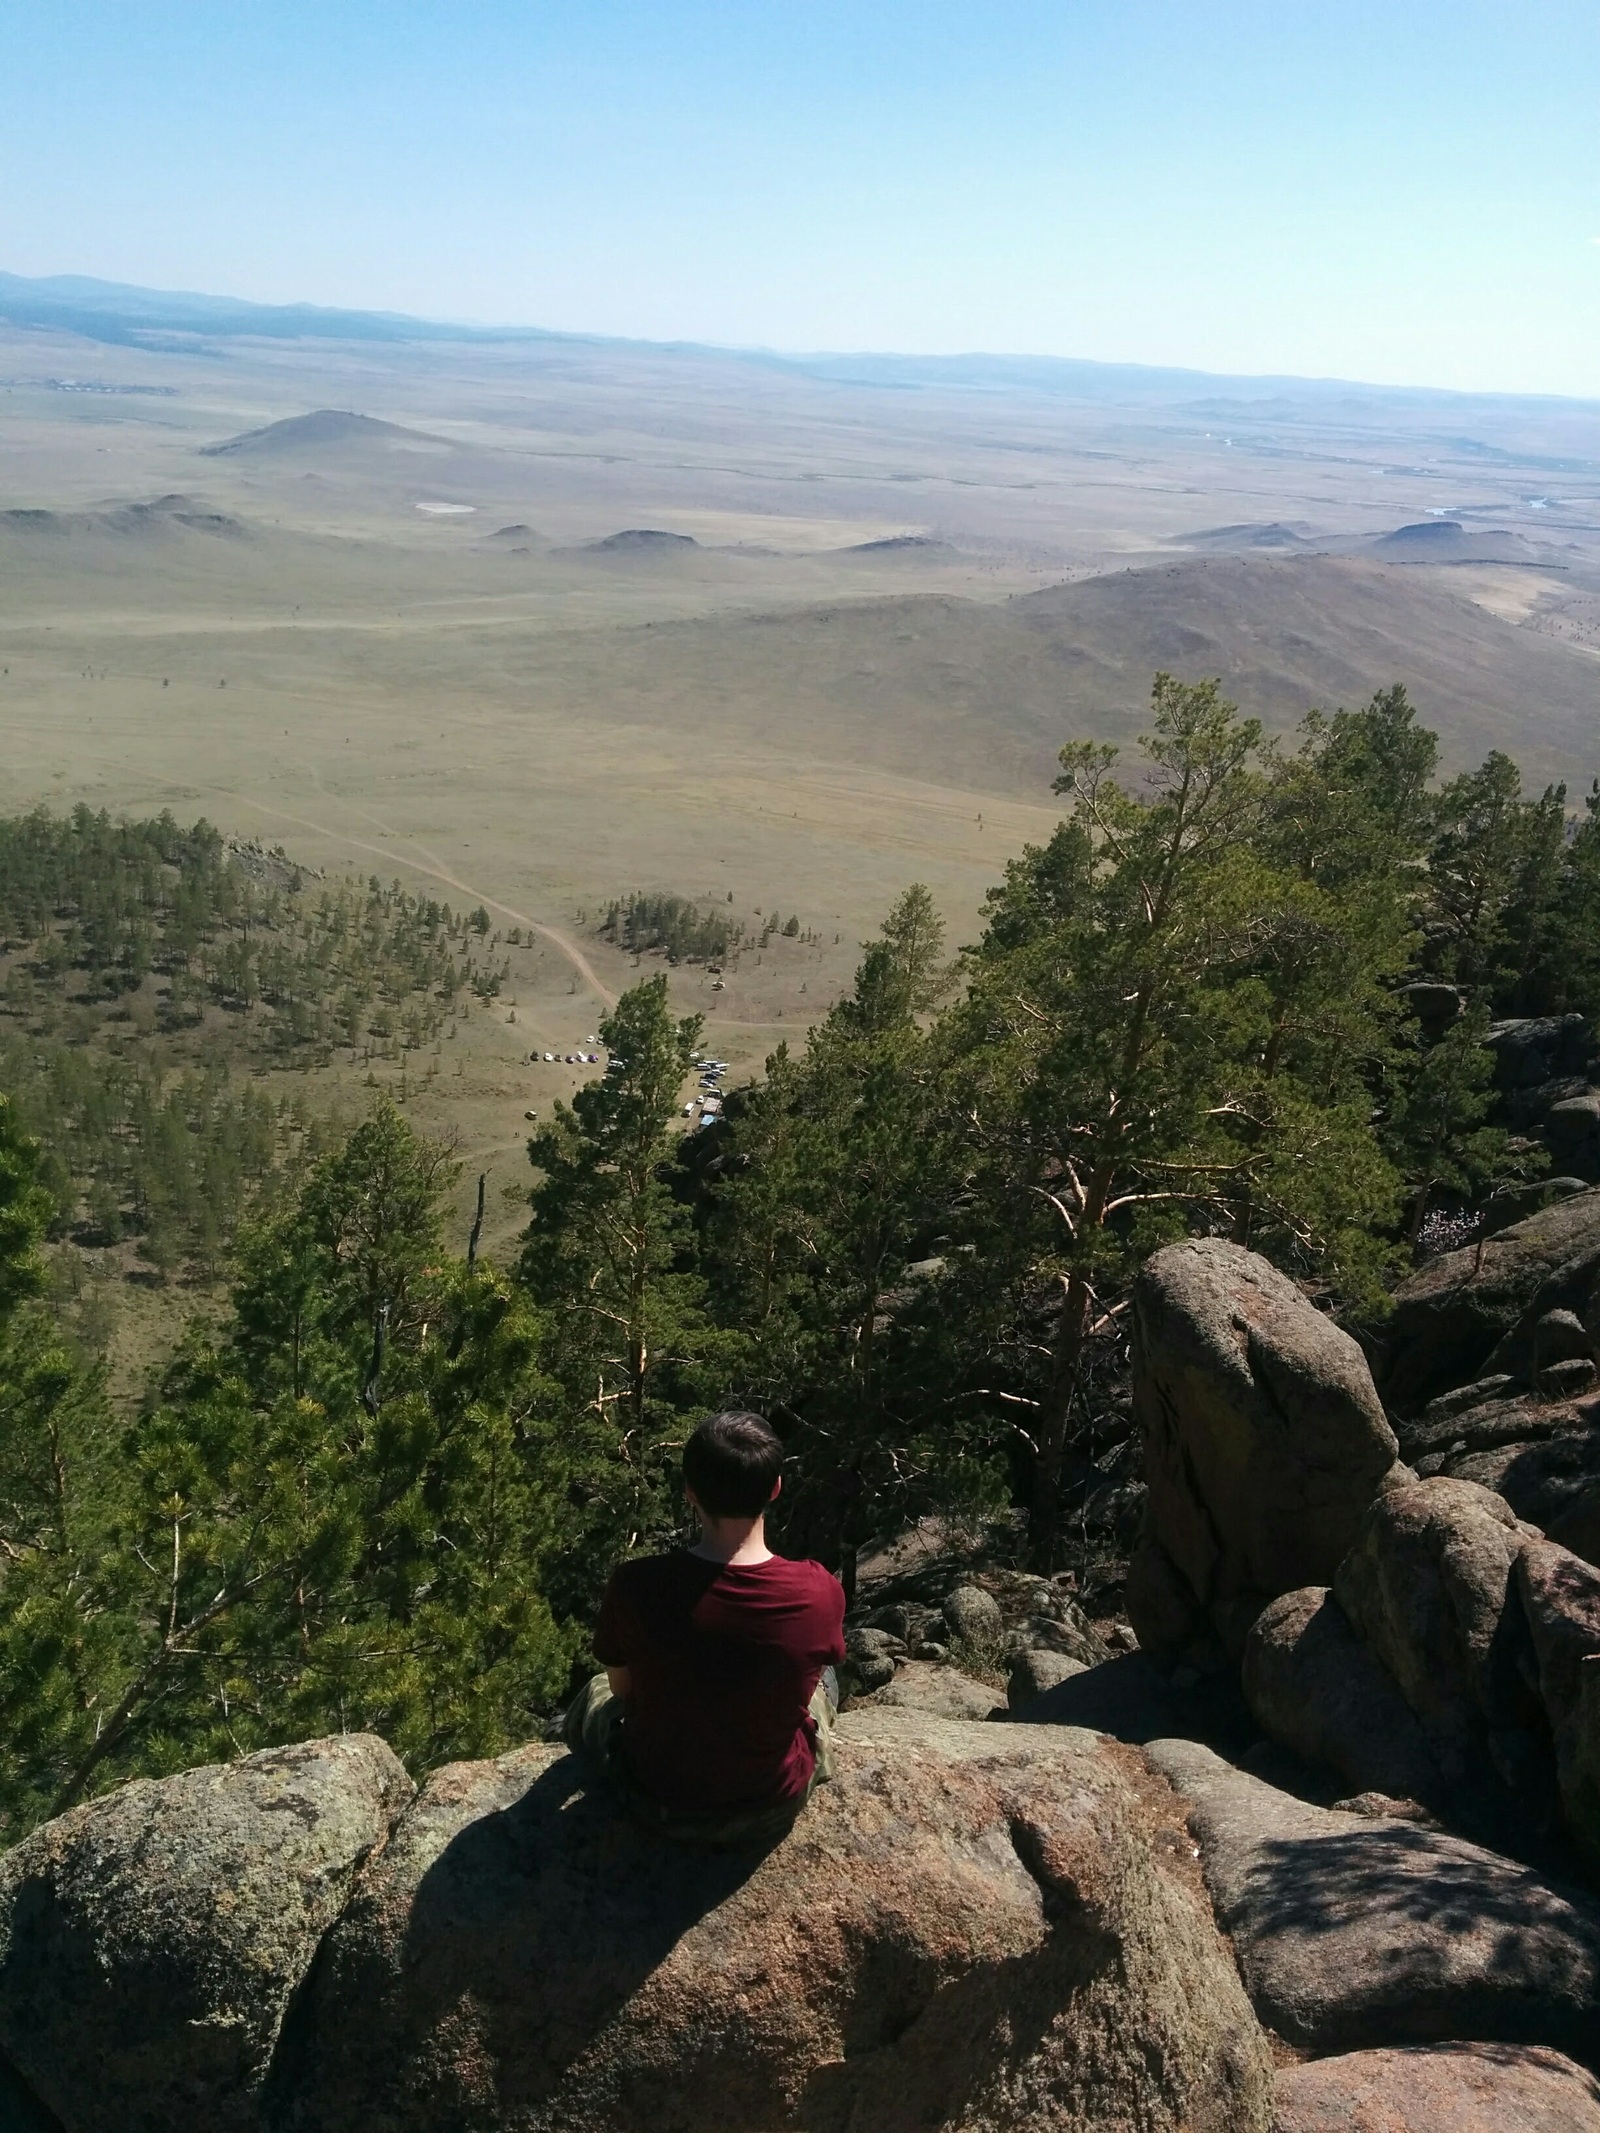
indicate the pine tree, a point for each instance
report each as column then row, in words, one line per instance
column 609, row 1258
column 841, row 1173
column 1168, row 1023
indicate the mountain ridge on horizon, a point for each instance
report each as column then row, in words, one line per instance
column 126, row 313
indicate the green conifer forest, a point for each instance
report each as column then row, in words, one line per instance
column 379, row 1484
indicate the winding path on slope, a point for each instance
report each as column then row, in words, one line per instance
column 436, row 871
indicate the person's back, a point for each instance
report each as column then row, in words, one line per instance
column 723, row 1660
column 713, row 1654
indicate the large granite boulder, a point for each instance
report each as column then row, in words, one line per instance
column 1354, row 1932
column 1426, row 1588
column 970, row 1927
column 1440, row 2088
column 1471, row 1313
column 1530, row 1051
column 1264, row 1444
column 940, row 1691
column 1033, row 1671
column 1551, row 1481
column 974, row 1615
column 1317, row 1690
column 1561, row 1603
column 151, row 1941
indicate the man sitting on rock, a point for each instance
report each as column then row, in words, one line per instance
column 712, row 1717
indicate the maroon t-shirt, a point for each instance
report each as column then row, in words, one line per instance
column 724, row 1659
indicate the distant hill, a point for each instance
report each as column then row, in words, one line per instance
column 327, row 428
column 1324, row 630
column 902, row 544
column 1272, row 536
column 155, row 517
column 1446, row 540
column 960, row 691
column 642, row 540
column 111, row 311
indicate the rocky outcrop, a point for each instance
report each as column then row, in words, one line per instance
column 1561, row 1604
column 1425, row 1587
column 1264, row 1443
column 1514, row 1203
column 1318, row 1691
column 1440, row 2088
column 1484, row 1417
column 151, row 1941
column 939, row 1614
column 1570, row 1129
column 1471, row 1313
column 1532, row 1052
column 1353, row 1932
column 1449, row 1665
column 940, row 1691
column 1545, row 1070
column 972, row 1926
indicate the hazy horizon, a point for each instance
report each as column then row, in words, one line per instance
column 1398, row 198
column 64, row 284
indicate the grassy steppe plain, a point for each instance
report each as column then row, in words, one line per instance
column 400, row 650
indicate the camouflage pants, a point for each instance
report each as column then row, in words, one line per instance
column 592, row 1728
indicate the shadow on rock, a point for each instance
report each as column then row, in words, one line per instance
column 1132, row 1700
column 1447, row 1944
column 1352, row 1932
column 497, row 1932
column 972, row 1926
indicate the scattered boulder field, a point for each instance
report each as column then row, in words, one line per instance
column 1313, row 1844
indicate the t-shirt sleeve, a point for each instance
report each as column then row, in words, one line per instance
column 610, row 1633
column 833, row 1620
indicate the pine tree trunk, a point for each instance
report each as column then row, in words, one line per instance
column 1055, row 1427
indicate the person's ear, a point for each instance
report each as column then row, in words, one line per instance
column 694, row 1501
column 777, row 1490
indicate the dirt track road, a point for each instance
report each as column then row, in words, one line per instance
column 430, row 865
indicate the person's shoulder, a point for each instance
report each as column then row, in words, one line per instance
column 814, row 1578
column 646, row 1573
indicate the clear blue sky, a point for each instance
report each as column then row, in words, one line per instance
column 1406, row 191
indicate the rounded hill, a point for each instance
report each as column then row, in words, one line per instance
column 326, row 428
column 644, row 539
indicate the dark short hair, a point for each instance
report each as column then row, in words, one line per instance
column 732, row 1463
